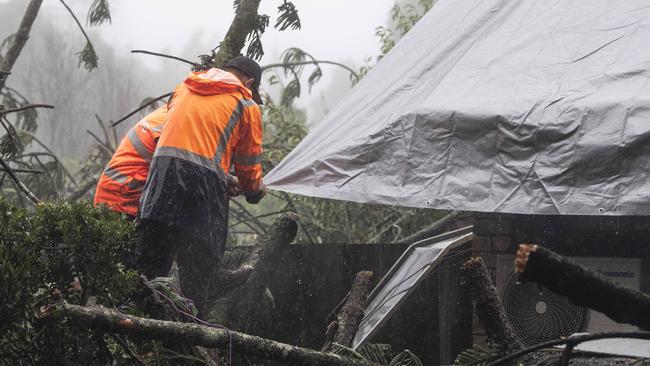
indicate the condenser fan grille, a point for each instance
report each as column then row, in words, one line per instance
column 538, row 315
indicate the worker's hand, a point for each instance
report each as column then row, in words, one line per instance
column 256, row 197
column 234, row 189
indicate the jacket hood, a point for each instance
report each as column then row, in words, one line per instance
column 215, row 81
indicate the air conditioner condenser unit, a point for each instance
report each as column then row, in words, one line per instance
column 537, row 314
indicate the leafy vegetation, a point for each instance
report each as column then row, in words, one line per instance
column 72, row 250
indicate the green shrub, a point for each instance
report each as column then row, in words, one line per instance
column 72, row 248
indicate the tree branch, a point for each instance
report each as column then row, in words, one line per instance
column 315, row 62
column 111, row 321
column 139, row 109
column 19, row 183
column 166, row 56
column 109, row 152
column 241, row 26
column 20, row 38
column 24, row 171
column 90, row 64
column 20, row 109
column 74, row 196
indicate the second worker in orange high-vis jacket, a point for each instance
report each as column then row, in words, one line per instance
column 214, row 122
column 120, row 185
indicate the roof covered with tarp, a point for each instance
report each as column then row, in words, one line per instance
column 536, row 106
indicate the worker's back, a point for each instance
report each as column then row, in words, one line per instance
column 121, row 183
column 212, row 117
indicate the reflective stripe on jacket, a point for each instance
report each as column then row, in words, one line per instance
column 120, row 185
column 213, row 122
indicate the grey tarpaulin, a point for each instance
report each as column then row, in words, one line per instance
column 521, row 106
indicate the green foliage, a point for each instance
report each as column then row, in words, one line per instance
column 378, row 353
column 288, row 17
column 476, row 355
column 71, row 249
column 406, row 358
column 255, row 49
column 88, row 57
column 99, row 13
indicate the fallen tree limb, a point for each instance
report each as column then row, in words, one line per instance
column 352, row 312
column 434, row 229
column 488, row 307
column 110, row 321
column 571, row 341
column 583, row 286
column 237, row 308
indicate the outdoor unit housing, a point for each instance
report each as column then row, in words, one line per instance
column 539, row 315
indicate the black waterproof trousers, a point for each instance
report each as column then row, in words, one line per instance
column 183, row 215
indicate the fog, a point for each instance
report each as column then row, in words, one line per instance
column 47, row 70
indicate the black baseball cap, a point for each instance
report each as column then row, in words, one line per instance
column 251, row 69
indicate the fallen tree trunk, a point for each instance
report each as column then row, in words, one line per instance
column 352, row 312
column 583, row 286
column 237, row 308
column 110, row 321
column 488, row 307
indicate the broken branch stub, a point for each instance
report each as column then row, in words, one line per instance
column 488, row 307
column 351, row 314
column 583, row 286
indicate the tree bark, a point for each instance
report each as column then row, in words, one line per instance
column 434, row 229
column 20, row 38
column 488, row 307
column 110, row 321
column 352, row 312
column 241, row 26
column 237, row 308
column 583, row 286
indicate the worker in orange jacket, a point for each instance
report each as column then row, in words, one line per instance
column 214, row 121
column 121, row 183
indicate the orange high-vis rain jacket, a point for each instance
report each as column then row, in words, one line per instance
column 213, row 122
column 121, row 183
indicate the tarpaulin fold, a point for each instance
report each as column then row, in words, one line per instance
column 535, row 106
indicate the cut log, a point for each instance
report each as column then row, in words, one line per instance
column 110, row 321
column 582, row 286
column 237, row 309
column 351, row 313
column 488, row 307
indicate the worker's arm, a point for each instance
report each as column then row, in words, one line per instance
column 248, row 155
